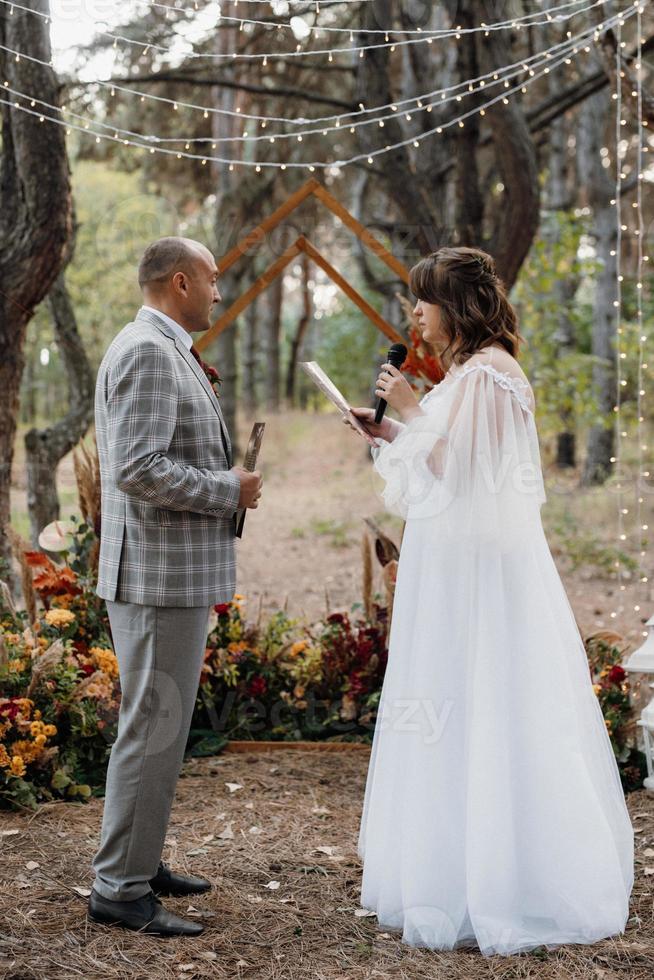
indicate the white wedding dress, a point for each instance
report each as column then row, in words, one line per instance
column 493, row 815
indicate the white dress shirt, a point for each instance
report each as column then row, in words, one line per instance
column 183, row 334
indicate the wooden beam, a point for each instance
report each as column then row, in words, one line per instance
column 257, row 235
column 366, row 237
column 349, row 291
column 258, row 286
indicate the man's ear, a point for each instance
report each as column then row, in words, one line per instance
column 180, row 283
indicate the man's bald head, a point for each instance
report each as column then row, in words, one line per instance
column 178, row 276
column 163, row 258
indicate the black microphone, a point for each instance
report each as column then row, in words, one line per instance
column 396, row 356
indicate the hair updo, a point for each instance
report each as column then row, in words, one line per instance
column 475, row 310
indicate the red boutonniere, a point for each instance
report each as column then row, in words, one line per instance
column 212, row 375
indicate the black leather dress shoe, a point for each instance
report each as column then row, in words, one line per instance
column 145, row 914
column 167, row 882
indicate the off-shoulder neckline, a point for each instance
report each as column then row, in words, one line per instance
column 517, row 385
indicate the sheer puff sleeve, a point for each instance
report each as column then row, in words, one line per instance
column 471, row 462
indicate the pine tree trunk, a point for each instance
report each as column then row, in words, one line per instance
column 274, row 295
column 45, row 448
column 35, row 215
column 249, row 389
column 600, row 189
column 296, row 343
column 559, row 199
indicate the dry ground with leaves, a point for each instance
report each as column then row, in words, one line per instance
column 301, row 547
column 280, row 851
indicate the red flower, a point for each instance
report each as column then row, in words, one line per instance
column 257, row 687
column 222, row 608
column 9, row 709
column 212, row 375
column 617, row 674
column 357, row 685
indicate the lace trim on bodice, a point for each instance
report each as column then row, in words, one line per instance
column 517, row 386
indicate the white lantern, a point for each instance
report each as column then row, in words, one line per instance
column 642, row 662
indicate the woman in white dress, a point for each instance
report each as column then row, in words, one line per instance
column 494, row 815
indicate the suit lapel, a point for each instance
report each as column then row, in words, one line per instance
column 197, row 370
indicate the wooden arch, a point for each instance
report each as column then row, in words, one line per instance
column 302, row 244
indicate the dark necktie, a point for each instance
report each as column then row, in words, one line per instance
column 196, row 354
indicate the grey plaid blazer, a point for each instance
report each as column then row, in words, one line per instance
column 168, row 500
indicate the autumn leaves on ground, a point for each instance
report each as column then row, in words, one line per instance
column 276, row 831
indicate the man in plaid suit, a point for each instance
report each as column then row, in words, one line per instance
column 169, row 499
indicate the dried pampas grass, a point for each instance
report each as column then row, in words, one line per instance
column 366, row 558
column 19, row 546
column 87, row 477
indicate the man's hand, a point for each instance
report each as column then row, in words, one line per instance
column 251, row 483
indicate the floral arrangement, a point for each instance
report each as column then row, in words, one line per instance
column 285, row 680
column 59, row 685
column 281, row 679
column 613, row 689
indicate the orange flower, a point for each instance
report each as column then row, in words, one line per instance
column 53, row 579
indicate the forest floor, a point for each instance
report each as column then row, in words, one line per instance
column 302, row 545
column 280, row 852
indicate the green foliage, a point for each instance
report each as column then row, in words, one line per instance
column 562, row 382
column 583, row 549
column 349, row 345
column 335, row 530
column 117, row 217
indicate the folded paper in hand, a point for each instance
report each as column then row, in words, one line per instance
column 327, row 386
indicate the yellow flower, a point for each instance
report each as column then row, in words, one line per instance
column 17, row 766
column 40, row 740
column 27, row 751
column 37, row 713
column 105, row 660
column 62, row 601
column 298, row 647
column 50, row 730
column 59, row 617
column 237, row 645
column 597, row 688
column 16, row 665
column 4, row 758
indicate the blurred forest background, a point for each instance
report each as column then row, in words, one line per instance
column 531, row 178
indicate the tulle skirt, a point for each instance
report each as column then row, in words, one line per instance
column 494, row 815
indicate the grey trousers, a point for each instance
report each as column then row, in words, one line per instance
column 160, row 652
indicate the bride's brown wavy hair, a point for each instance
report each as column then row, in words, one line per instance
column 475, row 310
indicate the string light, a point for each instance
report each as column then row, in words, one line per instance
column 263, row 120
column 369, row 156
column 525, row 21
column 534, row 60
column 617, row 459
column 622, row 145
column 642, row 538
column 305, row 52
